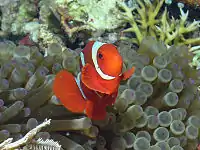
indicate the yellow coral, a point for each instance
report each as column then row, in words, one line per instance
column 146, row 22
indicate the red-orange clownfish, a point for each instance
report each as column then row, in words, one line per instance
column 96, row 86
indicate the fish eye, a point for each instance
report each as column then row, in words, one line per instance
column 100, row 55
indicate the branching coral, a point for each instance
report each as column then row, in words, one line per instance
column 7, row 144
column 68, row 23
column 146, row 21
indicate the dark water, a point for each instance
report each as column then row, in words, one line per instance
column 194, row 12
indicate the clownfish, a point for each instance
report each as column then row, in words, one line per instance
column 96, row 85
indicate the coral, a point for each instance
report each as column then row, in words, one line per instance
column 6, row 2
column 26, row 13
column 147, row 21
column 47, row 37
column 7, row 144
column 158, row 107
column 20, row 18
column 16, row 14
column 41, row 144
column 88, row 14
column 9, row 14
column 106, row 38
column 190, row 2
column 32, row 28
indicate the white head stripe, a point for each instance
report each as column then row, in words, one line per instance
column 82, row 59
column 95, row 49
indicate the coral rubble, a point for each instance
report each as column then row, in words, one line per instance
column 16, row 14
column 88, row 14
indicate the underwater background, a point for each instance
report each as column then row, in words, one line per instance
column 158, row 108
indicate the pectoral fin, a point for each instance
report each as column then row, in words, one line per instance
column 128, row 73
column 89, row 77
